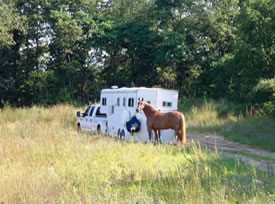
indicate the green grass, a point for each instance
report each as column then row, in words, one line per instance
column 256, row 156
column 207, row 116
column 44, row 160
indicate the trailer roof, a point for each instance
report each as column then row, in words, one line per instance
column 133, row 89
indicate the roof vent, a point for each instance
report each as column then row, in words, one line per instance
column 114, row 87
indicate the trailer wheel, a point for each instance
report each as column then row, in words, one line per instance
column 98, row 130
column 118, row 134
column 122, row 135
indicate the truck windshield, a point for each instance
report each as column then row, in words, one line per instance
column 86, row 111
column 92, row 110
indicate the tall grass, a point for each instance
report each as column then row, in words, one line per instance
column 220, row 118
column 44, row 160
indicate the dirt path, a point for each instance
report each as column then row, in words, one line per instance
column 232, row 149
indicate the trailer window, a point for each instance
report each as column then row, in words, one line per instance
column 118, row 101
column 167, row 104
column 124, row 102
column 131, row 102
column 99, row 114
column 104, row 101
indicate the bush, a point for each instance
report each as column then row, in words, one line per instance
column 263, row 95
column 269, row 108
column 64, row 96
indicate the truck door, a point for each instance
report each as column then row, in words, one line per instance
column 84, row 118
column 98, row 119
column 89, row 119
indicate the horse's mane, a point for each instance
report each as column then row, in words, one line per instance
column 150, row 107
column 148, row 104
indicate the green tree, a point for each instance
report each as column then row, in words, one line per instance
column 223, row 24
column 10, row 20
column 73, row 24
column 255, row 53
column 12, row 28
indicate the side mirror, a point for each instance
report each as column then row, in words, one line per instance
column 78, row 113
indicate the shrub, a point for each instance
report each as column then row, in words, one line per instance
column 263, row 95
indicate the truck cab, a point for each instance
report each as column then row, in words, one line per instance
column 92, row 120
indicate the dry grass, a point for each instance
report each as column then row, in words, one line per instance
column 44, row 160
column 208, row 117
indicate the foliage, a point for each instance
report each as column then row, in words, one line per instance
column 255, row 51
column 264, row 91
column 10, row 20
column 263, row 94
column 74, row 48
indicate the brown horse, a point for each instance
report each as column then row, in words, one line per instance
column 157, row 120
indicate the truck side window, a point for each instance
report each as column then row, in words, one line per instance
column 99, row 114
column 131, row 102
column 92, row 110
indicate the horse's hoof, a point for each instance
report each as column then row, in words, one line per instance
column 181, row 144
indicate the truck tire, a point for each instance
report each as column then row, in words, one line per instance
column 98, row 130
column 78, row 127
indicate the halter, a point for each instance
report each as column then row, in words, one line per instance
column 140, row 100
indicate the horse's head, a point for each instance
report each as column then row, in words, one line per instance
column 140, row 105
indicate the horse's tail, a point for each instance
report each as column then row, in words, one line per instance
column 183, row 129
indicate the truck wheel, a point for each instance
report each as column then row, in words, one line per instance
column 78, row 127
column 122, row 135
column 98, row 130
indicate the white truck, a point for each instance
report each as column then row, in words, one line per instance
column 92, row 120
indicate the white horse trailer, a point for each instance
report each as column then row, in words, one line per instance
column 120, row 106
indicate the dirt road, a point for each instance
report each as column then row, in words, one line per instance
column 260, row 158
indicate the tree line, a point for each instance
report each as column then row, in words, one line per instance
column 68, row 50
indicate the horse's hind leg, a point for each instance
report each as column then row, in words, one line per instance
column 156, row 136
column 179, row 139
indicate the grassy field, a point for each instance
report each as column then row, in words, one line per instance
column 207, row 116
column 44, row 160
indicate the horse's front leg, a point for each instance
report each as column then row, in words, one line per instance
column 150, row 134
